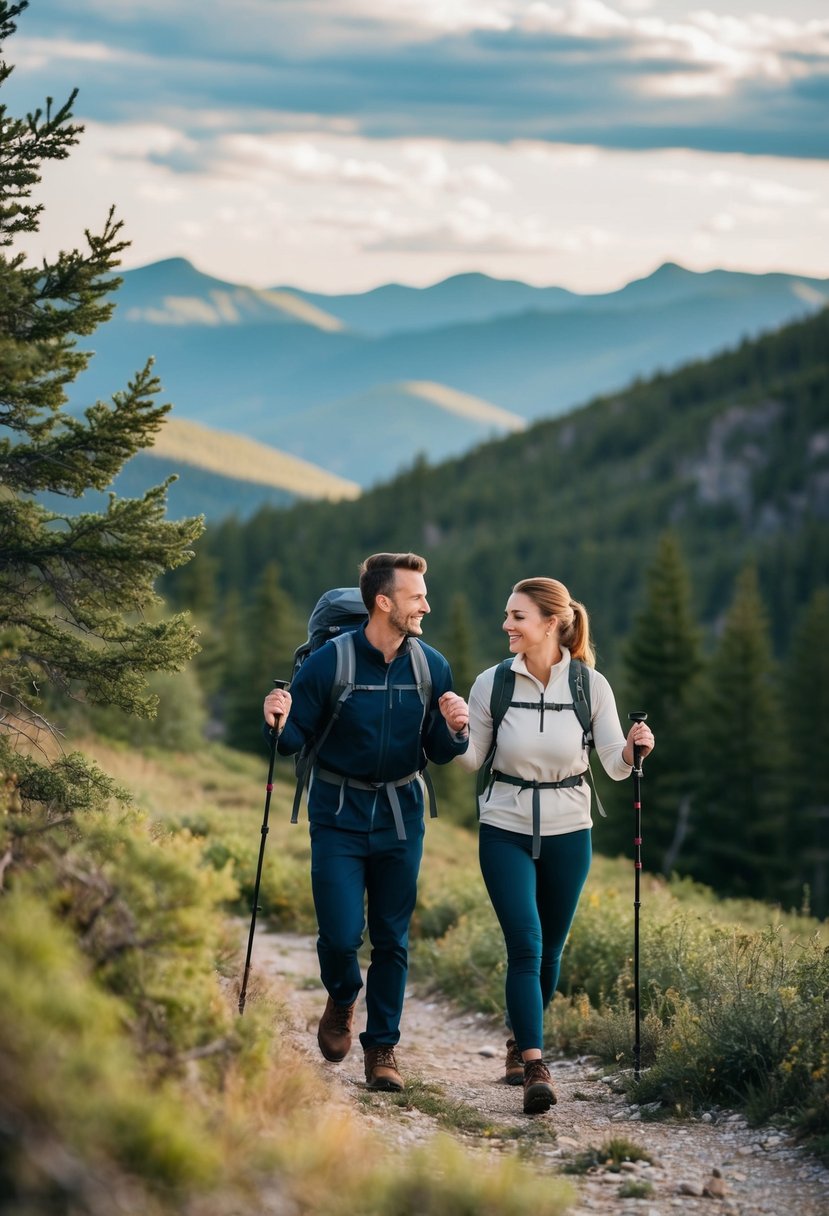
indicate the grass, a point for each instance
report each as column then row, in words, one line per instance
column 733, row 1012
column 635, row 1188
column 609, row 1155
column 429, row 1099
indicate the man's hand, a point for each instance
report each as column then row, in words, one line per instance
column 455, row 711
column 277, row 706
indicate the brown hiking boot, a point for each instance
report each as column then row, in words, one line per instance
column 514, row 1066
column 334, row 1033
column 381, row 1069
column 539, row 1094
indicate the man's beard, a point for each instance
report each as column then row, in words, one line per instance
column 401, row 623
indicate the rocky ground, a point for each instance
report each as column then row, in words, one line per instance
column 453, row 1064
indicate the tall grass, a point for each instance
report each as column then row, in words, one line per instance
column 128, row 1082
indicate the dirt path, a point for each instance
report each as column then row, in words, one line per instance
column 457, row 1060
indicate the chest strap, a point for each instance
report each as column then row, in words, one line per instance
column 391, row 788
column 567, row 784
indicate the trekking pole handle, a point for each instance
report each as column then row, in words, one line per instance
column 637, row 716
column 278, row 684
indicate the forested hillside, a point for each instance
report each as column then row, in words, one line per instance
column 732, row 454
column 691, row 515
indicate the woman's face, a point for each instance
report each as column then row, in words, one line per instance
column 524, row 624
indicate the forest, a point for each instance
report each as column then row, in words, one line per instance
column 690, row 513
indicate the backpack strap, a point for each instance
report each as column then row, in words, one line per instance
column 345, row 674
column 579, row 677
column 503, row 686
column 580, row 691
column 341, row 689
column 423, row 677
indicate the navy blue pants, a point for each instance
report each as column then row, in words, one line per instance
column 535, row 902
column 359, row 878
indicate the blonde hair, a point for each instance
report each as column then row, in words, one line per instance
column 553, row 600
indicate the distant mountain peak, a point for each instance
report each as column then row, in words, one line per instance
column 173, row 292
column 671, row 270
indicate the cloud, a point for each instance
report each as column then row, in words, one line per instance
column 469, row 226
column 337, row 144
column 339, row 211
column 578, row 71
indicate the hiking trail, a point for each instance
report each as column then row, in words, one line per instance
column 456, row 1059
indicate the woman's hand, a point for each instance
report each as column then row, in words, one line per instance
column 277, row 706
column 641, row 736
column 455, row 711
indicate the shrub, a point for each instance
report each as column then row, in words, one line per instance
column 86, row 1118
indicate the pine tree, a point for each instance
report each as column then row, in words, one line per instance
column 270, row 633
column 740, row 813
column 459, row 645
column 807, row 721
column 73, row 587
column 662, row 659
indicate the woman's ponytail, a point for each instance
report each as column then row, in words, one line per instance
column 576, row 636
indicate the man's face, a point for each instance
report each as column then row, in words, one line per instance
column 408, row 603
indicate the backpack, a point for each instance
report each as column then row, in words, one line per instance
column 336, row 615
column 503, row 687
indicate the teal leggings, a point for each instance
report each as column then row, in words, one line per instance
column 535, row 902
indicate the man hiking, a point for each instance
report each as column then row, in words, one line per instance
column 365, row 802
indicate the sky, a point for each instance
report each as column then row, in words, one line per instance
column 335, row 145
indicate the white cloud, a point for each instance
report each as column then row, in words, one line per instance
column 749, row 180
column 36, row 53
column 338, row 212
column 448, row 15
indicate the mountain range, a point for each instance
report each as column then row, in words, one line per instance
column 362, row 385
column 731, row 454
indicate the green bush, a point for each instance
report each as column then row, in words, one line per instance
column 231, row 844
column 757, row 1038
column 85, row 1116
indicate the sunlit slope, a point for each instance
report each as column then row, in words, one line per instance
column 388, row 426
column 465, row 405
column 241, row 459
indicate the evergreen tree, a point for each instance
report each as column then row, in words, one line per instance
column 459, row 645
column 195, row 586
column 271, row 632
column 73, row 588
column 662, row 659
column 454, row 788
column 739, row 820
column 807, row 720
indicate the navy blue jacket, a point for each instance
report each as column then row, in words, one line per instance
column 377, row 737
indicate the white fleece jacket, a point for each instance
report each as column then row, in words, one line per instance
column 525, row 750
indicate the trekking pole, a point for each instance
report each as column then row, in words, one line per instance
column 264, row 835
column 637, row 869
